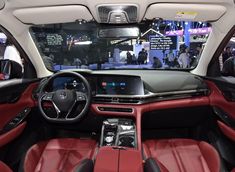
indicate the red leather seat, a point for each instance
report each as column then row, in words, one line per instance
column 182, row 155
column 65, row 155
column 4, row 167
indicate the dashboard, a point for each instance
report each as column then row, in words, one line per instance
column 134, row 86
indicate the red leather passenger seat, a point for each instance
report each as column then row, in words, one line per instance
column 4, row 167
column 182, row 155
column 55, row 155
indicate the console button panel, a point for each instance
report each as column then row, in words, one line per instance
column 118, row 132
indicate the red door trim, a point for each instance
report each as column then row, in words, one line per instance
column 12, row 134
column 10, row 110
column 217, row 99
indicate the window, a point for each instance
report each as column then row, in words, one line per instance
column 11, row 62
column 227, row 59
column 175, row 45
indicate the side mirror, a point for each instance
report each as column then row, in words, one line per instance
column 10, row 69
column 229, row 67
column 5, row 69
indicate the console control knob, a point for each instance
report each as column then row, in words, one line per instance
column 109, row 139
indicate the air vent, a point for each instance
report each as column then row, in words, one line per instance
column 117, row 100
column 102, row 99
column 118, row 14
column 114, row 109
column 129, row 100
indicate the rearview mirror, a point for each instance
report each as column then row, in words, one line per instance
column 229, row 67
column 119, row 32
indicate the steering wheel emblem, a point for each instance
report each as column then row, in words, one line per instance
column 63, row 95
column 75, row 83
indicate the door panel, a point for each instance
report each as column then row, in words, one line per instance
column 227, row 131
column 11, row 90
column 12, row 134
column 218, row 97
column 15, row 103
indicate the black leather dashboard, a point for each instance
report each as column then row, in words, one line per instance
column 156, row 85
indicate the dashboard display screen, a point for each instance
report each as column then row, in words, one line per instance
column 67, row 83
column 120, row 85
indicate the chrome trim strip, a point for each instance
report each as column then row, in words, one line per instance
column 132, row 112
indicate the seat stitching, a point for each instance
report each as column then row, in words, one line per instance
column 51, row 149
column 177, row 156
column 62, row 161
column 39, row 163
column 94, row 152
column 65, row 155
column 158, row 162
column 202, row 158
column 40, row 159
column 181, row 158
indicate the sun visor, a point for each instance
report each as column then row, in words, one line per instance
column 185, row 12
column 52, row 15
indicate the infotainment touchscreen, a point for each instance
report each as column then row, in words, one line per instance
column 120, row 85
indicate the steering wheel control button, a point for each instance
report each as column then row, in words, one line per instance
column 81, row 98
column 48, row 97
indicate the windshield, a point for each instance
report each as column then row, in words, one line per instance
column 159, row 45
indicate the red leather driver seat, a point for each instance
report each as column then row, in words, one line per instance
column 180, row 155
column 4, row 167
column 64, row 155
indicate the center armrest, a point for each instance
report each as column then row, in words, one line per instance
column 113, row 159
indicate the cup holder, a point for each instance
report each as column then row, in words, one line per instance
column 127, row 141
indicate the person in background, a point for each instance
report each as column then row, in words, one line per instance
column 157, row 62
column 195, row 58
column 129, row 57
column 229, row 67
column 134, row 60
column 227, row 54
column 145, row 56
column 2, row 50
column 184, row 60
column 142, row 57
column 12, row 54
column 171, row 58
column 48, row 60
column 77, row 62
column 199, row 51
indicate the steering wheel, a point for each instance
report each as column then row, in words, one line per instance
column 65, row 105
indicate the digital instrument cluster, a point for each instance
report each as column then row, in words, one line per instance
column 101, row 84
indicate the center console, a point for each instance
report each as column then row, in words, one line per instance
column 118, row 132
column 118, row 147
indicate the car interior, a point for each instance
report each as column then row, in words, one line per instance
column 77, row 99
